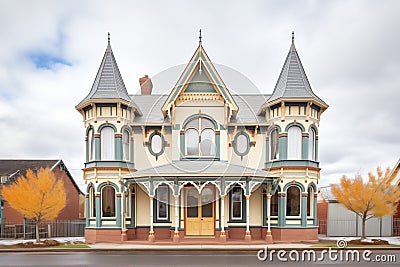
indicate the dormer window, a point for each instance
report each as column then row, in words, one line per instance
column 200, row 138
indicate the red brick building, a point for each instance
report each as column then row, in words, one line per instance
column 10, row 170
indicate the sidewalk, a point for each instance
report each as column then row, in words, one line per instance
column 185, row 245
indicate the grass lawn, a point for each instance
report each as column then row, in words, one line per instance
column 19, row 246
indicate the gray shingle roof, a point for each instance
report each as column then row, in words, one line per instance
column 150, row 105
column 206, row 168
column 292, row 81
column 108, row 83
column 248, row 108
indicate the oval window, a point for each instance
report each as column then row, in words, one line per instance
column 156, row 144
column 242, row 144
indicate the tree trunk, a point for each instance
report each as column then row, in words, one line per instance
column 364, row 219
column 37, row 232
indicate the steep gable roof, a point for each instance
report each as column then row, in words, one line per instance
column 293, row 82
column 200, row 76
column 108, row 83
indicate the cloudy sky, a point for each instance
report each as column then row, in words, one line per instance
column 51, row 51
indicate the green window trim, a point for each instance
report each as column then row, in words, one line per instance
column 162, row 144
column 235, row 143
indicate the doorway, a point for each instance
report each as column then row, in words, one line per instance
column 199, row 211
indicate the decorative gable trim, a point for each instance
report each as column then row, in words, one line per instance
column 200, row 62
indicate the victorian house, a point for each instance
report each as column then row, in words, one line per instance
column 200, row 161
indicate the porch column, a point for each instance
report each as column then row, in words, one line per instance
column 98, row 210
column 222, row 236
column 281, row 208
column 268, row 238
column 247, row 237
column 151, row 233
column 124, row 237
column 176, row 232
column 304, row 196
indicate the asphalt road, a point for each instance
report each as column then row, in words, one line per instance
column 179, row 258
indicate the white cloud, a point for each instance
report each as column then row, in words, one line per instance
column 348, row 49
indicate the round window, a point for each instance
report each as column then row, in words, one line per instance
column 241, row 144
column 156, row 144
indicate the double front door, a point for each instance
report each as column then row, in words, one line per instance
column 200, row 214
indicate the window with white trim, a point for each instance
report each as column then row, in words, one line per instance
column 90, row 140
column 294, row 143
column 92, row 203
column 293, row 198
column 200, row 137
column 125, row 145
column 311, row 144
column 310, row 201
column 274, row 144
column 107, row 143
column 108, row 201
column 162, row 199
column 237, row 203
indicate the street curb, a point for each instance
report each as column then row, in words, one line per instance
column 173, row 249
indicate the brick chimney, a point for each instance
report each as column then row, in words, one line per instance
column 145, row 85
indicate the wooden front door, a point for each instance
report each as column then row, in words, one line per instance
column 199, row 211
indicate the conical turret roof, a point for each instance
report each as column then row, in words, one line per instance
column 292, row 82
column 108, row 83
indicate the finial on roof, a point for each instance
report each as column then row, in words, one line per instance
column 200, row 36
column 109, row 37
column 292, row 36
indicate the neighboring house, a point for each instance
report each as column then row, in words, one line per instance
column 201, row 162
column 10, row 170
column 336, row 220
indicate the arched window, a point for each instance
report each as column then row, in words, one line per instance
column 92, row 203
column 107, row 143
column 200, row 137
column 108, row 201
column 90, row 140
column 294, row 143
column 125, row 145
column 311, row 144
column 310, row 201
column 293, row 201
column 274, row 144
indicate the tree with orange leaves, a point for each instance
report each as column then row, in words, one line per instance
column 37, row 196
column 373, row 198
